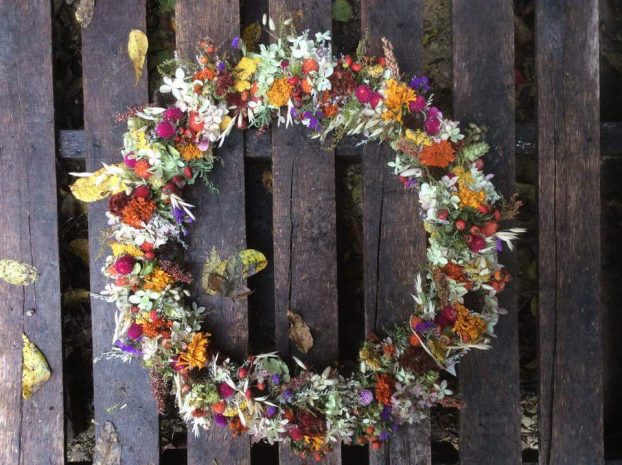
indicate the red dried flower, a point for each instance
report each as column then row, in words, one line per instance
column 124, row 264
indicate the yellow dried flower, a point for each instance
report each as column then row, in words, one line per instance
column 119, row 249
column 279, row 93
column 370, row 358
column 243, row 72
column 468, row 196
column 397, row 95
column 418, row 137
column 195, row 356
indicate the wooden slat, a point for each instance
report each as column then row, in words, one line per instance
column 483, row 69
column 121, row 391
column 31, row 431
column 570, row 407
column 304, row 219
column 220, row 223
column 258, row 146
column 394, row 238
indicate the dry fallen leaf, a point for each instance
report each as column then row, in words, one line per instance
column 91, row 187
column 266, row 179
column 227, row 277
column 17, row 273
column 299, row 332
column 84, row 12
column 80, row 248
column 35, row 368
column 137, row 46
column 107, row 448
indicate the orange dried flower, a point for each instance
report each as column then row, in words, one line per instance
column 137, row 211
column 142, row 169
column 385, row 387
column 205, row 74
column 468, row 326
column 440, row 155
column 236, row 427
column 195, row 356
column 279, row 93
column 309, row 65
column 219, row 407
column 157, row 327
column 190, row 152
column 158, row 280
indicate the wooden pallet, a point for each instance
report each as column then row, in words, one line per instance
column 568, row 135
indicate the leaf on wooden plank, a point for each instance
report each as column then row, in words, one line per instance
column 299, row 332
column 80, row 248
column 84, row 12
column 266, row 179
column 91, row 187
column 76, row 296
column 35, row 368
column 342, row 11
column 107, row 448
column 251, row 35
column 227, row 277
column 17, row 273
column 137, row 46
column 615, row 60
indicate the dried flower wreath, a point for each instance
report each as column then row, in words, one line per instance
column 170, row 145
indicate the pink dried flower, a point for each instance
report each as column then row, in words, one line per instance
column 476, row 243
column 129, row 160
column 363, row 93
column 135, row 331
column 374, row 100
column 418, row 104
column 225, row 390
column 124, row 264
column 173, row 113
column 165, row 129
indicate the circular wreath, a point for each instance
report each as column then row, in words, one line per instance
column 170, row 145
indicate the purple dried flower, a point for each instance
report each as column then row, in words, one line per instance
column 420, row 83
column 220, row 420
column 235, row 43
column 270, row 411
column 499, row 246
column 127, row 348
column 179, row 215
column 287, row 395
column 366, row 397
column 424, row 326
column 220, row 66
column 385, row 415
column 276, row 379
column 384, row 435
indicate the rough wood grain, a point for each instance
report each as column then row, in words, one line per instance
column 483, row 69
column 304, row 218
column 220, row 223
column 394, row 239
column 121, row 391
column 570, row 408
column 31, row 431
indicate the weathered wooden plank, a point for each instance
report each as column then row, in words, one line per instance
column 304, row 219
column 394, row 240
column 567, row 67
column 220, row 223
column 483, row 69
column 31, row 431
column 121, row 391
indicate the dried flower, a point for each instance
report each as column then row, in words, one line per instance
column 279, row 93
column 439, row 155
column 125, row 264
column 195, row 356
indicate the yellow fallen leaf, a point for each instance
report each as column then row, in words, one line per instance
column 80, row 248
column 35, row 368
column 76, row 296
column 137, row 46
column 17, row 273
column 84, row 12
column 299, row 332
column 226, row 277
column 98, row 185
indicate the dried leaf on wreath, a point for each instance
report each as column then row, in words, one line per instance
column 35, row 368
column 17, row 273
column 299, row 332
column 227, row 278
column 107, row 448
column 84, row 12
column 137, row 46
column 91, row 187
